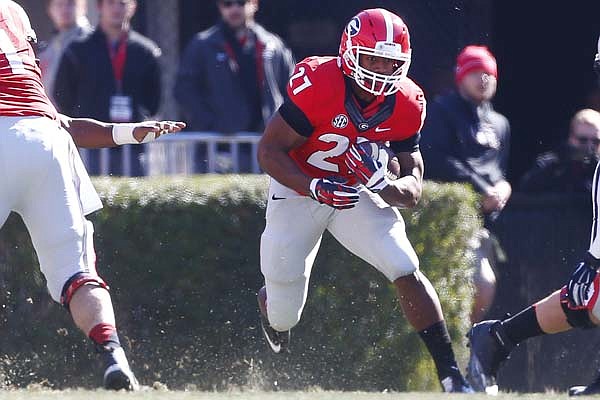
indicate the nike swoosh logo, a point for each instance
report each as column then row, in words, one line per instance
column 277, row 198
column 378, row 129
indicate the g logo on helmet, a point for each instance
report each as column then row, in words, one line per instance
column 353, row 27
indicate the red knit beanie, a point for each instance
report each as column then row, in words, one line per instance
column 475, row 58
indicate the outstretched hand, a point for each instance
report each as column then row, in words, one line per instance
column 148, row 131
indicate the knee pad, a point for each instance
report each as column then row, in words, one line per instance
column 576, row 317
column 75, row 282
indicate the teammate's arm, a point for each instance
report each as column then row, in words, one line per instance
column 406, row 191
column 90, row 133
column 278, row 139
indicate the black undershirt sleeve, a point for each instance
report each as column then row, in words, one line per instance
column 296, row 118
column 409, row 145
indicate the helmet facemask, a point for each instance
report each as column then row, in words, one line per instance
column 373, row 82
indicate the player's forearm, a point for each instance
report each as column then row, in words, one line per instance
column 278, row 164
column 89, row 133
column 404, row 192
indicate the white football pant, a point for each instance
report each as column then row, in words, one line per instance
column 43, row 179
column 372, row 230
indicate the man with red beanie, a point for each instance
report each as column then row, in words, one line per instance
column 465, row 140
column 473, row 59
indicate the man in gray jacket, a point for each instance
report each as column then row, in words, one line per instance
column 232, row 77
column 70, row 23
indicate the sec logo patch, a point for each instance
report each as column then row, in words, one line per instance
column 340, row 121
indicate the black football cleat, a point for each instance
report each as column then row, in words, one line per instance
column 277, row 341
column 117, row 373
column 490, row 346
column 591, row 389
column 455, row 383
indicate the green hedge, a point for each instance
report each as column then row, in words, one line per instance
column 182, row 258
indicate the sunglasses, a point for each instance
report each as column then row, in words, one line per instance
column 229, row 3
column 585, row 140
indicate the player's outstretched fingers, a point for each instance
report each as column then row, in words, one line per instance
column 166, row 127
column 148, row 131
column 175, row 126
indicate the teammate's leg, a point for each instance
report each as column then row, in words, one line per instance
column 11, row 184
column 63, row 239
column 383, row 243
column 4, row 201
column 4, row 212
column 594, row 251
column 492, row 341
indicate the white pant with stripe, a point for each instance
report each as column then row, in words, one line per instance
column 295, row 224
column 43, row 179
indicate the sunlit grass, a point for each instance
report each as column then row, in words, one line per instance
column 162, row 393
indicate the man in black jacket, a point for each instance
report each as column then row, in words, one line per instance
column 113, row 74
column 465, row 140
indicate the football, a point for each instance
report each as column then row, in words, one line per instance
column 373, row 149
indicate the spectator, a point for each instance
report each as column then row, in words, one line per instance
column 70, row 23
column 232, row 77
column 113, row 74
column 570, row 168
column 466, row 140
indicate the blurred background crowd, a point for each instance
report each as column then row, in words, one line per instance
column 544, row 65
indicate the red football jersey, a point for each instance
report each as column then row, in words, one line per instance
column 331, row 118
column 21, row 90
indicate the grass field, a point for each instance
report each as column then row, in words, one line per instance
column 150, row 394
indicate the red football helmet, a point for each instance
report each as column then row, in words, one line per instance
column 375, row 32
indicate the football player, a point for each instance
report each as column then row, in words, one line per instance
column 43, row 179
column 322, row 180
column 574, row 306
